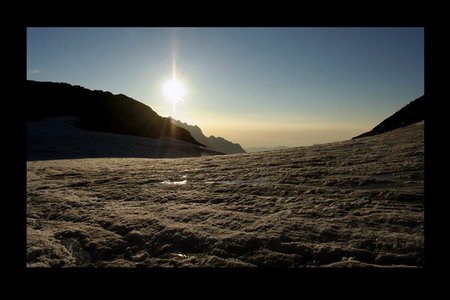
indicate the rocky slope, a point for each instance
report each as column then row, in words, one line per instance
column 98, row 111
column 413, row 112
column 356, row 203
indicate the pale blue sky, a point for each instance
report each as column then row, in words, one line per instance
column 253, row 86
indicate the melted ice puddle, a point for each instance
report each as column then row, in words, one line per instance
column 180, row 255
column 174, row 182
column 165, row 182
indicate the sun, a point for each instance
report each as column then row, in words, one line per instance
column 173, row 89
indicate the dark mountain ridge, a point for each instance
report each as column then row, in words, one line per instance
column 99, row 111
column 413, row 112
column 214, row 143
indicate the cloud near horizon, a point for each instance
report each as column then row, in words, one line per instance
column 36, row 71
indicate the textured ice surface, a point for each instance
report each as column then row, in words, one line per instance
column 253, row 181
column 356, row 203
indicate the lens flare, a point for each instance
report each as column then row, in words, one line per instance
column 173, row 90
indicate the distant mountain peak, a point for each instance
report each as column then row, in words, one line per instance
column 214, row 143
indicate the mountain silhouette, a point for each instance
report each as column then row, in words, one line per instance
column 214, row 143
column 99, row 111
column 413, row 112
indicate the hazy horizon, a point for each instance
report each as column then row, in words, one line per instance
column 253, row 86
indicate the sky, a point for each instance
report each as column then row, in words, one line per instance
column 294, row 86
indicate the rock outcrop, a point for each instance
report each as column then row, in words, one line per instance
column 414, row 112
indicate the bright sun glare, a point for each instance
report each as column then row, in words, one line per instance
column 173, row 90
